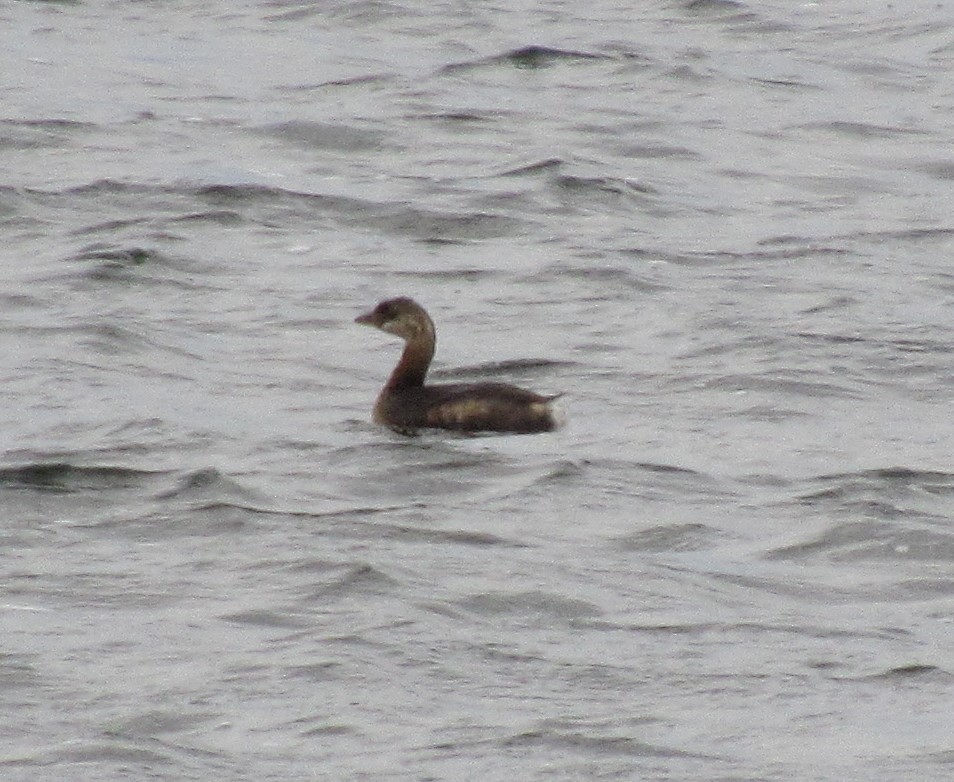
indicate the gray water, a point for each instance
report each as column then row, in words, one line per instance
column 723, row 230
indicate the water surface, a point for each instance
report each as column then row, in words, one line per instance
column 721, row 229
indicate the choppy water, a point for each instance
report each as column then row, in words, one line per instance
column 723, row 229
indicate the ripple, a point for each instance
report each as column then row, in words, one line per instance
column 65, row 477
column 532, row 56
column 670, row 537
column 533, row 605
column 324, row 136
column 625, row 745
column 863, row 130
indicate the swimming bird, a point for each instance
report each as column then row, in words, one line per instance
column 406, row 404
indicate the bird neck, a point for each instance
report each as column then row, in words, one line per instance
column 415, row 361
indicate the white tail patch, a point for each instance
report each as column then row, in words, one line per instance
column 554, row 410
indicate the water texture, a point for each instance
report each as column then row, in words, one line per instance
column 723, row 230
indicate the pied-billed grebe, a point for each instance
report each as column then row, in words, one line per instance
column 406, row 404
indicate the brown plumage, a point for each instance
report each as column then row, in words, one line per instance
column 406, row 404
